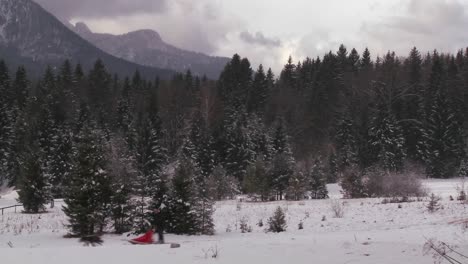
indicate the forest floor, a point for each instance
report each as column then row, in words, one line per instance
column 369, row 232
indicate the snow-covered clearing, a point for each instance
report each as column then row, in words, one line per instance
column 369, row 232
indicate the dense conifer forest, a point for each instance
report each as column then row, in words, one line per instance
column 116, row 148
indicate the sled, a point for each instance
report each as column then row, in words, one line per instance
column 172, row 245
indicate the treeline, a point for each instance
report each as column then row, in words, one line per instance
column 138, row 145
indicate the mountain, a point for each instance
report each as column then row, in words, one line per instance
column 146, row 47
column 31, row 36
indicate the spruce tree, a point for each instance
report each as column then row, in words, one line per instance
column 204, row 207
column 297, row 186
column 283, row 163
column 21, row 86
column 34, row 189
column 222, row 185
column 88, row 192
column 259, row 92
column 121, row 206
column 318, row 180
column 239, row 151
column 346, row 143
column 332, row 170
column 385, row 133
column 413, row 108
column 150, row 186
column 366, row 61
column 386, row 139
column 7, row 136
column 182, row 217
column 442, row 144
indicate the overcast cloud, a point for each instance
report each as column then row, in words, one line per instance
column 268, row 31
column 68, row 9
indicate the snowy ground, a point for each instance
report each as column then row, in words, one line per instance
column 369, row 232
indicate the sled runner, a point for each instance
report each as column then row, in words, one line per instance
column 172, row 245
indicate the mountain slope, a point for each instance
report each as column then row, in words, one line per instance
column 31, row 36
column 146, row 47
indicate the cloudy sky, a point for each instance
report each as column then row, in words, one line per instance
column 268, row 31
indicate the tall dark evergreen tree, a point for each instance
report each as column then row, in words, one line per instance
column 346, row 143
column 88, row 193
column 442, row 144
column 413, row 105
column 182, row 217
column 388, row 141
column 259, row 92
column 7, row 135
column 318, row 180
column 21, row 87
column 35, row 186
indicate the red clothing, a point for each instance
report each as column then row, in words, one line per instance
column 147, row 238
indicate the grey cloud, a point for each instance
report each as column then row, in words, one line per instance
column 194, row 25
column 98, row 8
column 259, row 39
column 426, row 24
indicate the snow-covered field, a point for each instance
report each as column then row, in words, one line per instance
column 369, row 232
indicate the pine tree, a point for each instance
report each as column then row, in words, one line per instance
column 297, row 186
column 282, row 164
column 353, row 184
column 88, row 193
column 288, row 75
column 259, row 93
column 182, row 217
column 150, row 186
column 121, row 206
column 388, row 141
column 333, row 170
column 199, row 146
column 239, row 151
column 354, row 60
column 234, row 83
column 318, row 180
column 346, row 143
column 413, row 107
column 21, row 86
column 7, row 136
column 277, row 223
column 222, row 185
column 282, row 168
column 385, row 133
column 121, row 168
column 35, row 191
column 463, row 169
column 204, row 208
column 442, row 145
column 366, row 61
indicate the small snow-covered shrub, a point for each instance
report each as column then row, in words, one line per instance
column 382, row 183
column 337, row 208
column 433, row 204
column 352, row 183
column 244, row 226
column 397, row 200
column 300, row 226
column 212, row 252
column 277, row 223
column 228, row 229
column 238, row 206
column 260, row 223
column 461, row 190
